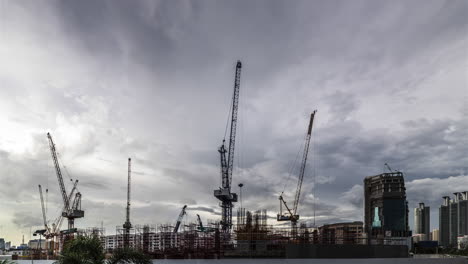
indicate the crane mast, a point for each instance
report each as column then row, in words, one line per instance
column 292, row 213
column 127, row 225
column 224, row 193
column 179, row 219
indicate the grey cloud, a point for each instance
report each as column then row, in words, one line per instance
column 26, row 219
column 203, row 208
column 152, row 80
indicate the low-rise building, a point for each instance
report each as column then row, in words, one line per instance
column 435, row 235
column 342, row 233
column 37, row 243
column 462, row 242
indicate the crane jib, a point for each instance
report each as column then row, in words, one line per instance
column 232, row 136
column 66, row 201
column 303, row 164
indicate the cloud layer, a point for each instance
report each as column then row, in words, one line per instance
column 152, row 80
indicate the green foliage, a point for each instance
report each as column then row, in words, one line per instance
column 6, row 261
column 88, row 250
column 129, row 256
column 82, row 250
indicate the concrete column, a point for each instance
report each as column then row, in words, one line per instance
column 446, row 200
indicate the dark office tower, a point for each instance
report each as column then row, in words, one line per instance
column 453, row 219
column 462, row 213
column 453, row 209
column 385, row 206
column 422, row 220
column 444, row 222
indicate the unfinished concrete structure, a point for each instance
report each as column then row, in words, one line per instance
column 385, row 207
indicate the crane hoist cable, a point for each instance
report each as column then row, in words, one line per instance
column 293, row 166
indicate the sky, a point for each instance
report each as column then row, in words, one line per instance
column 153, row 80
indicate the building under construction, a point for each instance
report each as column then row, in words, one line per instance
column 249, row 236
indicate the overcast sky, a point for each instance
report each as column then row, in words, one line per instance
column 153, row 80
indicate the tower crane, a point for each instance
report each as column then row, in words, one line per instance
column 127, row 225
column 291, row 214
column 224, row 193
column 179, row 219
column 68, row 211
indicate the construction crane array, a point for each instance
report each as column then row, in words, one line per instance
column 127, row 225
column 291, row 214
column 224, row 194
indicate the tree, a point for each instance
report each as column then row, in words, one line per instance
column 129, row 256
column 82, row 250
column 88, row 250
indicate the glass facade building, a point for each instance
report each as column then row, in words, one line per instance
column 385, row 206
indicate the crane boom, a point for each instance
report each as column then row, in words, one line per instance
column 303, row 164
column 232, row 136
column 200, row 223
column 63, row 191
column 291, row 214
column 179, row 219
column 43, row 208
column 388, row 167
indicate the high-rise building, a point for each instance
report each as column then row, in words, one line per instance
column 422, row 221
column 453, row 219
column 385, row 206
column 435, row 235
column 444, row 222
column 2, row 243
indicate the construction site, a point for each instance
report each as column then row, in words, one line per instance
column 244, row 234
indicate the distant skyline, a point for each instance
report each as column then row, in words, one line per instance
column 152, row 80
